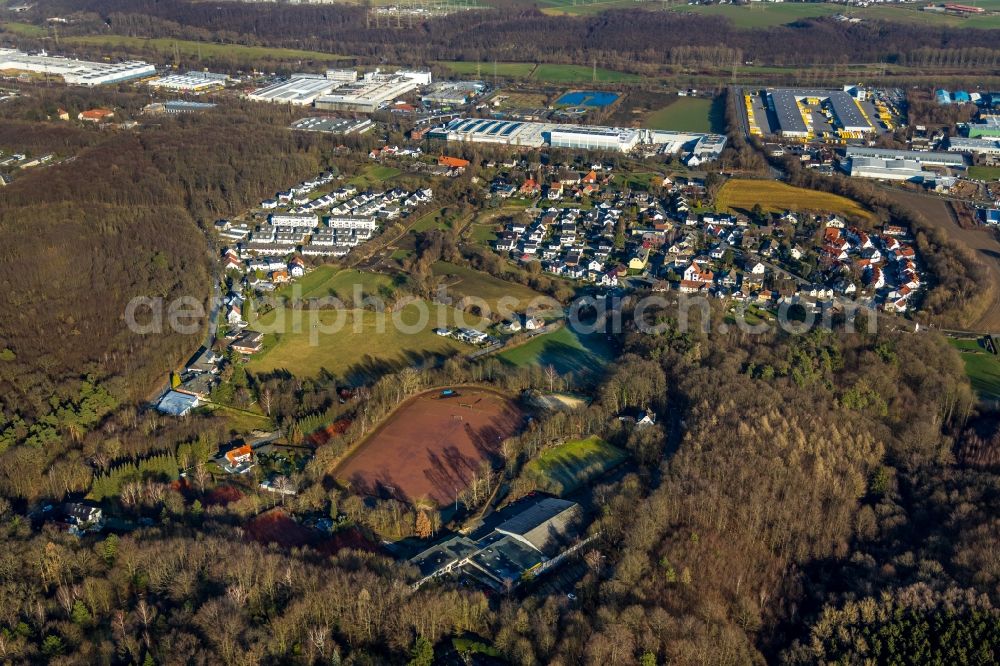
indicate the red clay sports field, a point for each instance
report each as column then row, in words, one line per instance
column 432, row 445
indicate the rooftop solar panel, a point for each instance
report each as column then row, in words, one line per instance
column 485, row 127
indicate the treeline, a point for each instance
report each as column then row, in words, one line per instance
column 626, row 40
column 110, row 485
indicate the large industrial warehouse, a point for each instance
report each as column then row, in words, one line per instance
column 74, row 72
column 806, row 113
column 340, row 90
column 300, row 90
column 371, row 92
column 194, row 82
column 938, row 158
column 583, row 137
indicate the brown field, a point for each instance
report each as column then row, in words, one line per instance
column 430, row 447
column 980, row 240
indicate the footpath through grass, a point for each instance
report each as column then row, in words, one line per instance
column 566, row 467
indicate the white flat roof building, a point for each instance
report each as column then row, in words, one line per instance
column 75, row 72
column 919, row 156
column 984, row 146
column 368, row 94
column 889, row 169
column 420, row 77
column 594, row 138
column 342, row 75
column 190, row 82
column 300, row 90
column 334, row 125
column 583, row 137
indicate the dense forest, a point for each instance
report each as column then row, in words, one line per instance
column 799, row 501
column 118, row 218
column 632, row 40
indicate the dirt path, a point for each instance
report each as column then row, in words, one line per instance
column 980, row 240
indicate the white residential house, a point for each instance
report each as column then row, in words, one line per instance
column 876, row 278
column 873, row 255
column 506, row 243
column 608, row 279
column 533, row 323
column 235, row 315
column 695, row 273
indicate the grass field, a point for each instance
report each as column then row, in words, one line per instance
column 242, row 421
column 638, row 181
column 764, row 15
column 578, row 74
column 566, row 350
column 330, row 281
column 982, row 367
column 432, row 220
column 483, row 233
column 776, row 197
column 566, row 467
column 23, row 29
column 522, row 100
column 356, row 344
column 513, row 70
column 913, row 14
column 463, row 282
column 687, row 114
column 984, row 172
column 582, row 7
column 165, row 47
column 376, row 174
column 541, row 72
